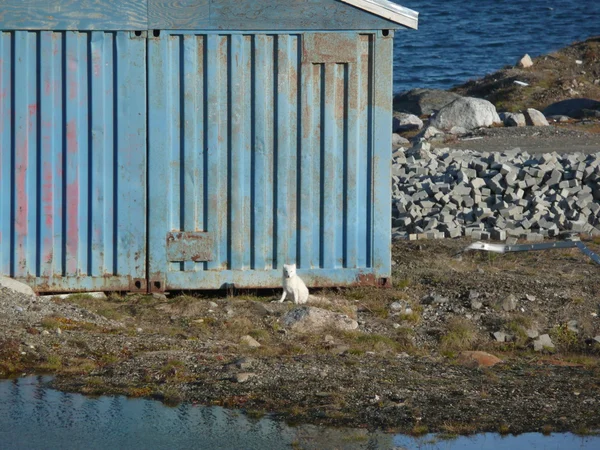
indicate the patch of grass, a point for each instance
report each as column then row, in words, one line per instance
column 460, row 335
column 547, row 430
column 259, row 334
column 403, row 283
column 79, row 297
column 577, row 301
column 53, row 363
column 173, row 369
column 139, row 392
column 54, row 322
column 419, row 430
column 586, row 361
column 256, row 414
column 503, row 429
column 414, row 317
column 564, row 338
column 459, row 428
column 362, row 342
column 169, row 395
column 238, row 326
column 10, row 357
column 108, row 359
column 77, row 366
column 584, row 431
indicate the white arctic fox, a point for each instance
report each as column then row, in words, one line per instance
column 293, row 285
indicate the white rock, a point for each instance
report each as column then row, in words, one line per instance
column 397, row 306
column 535, row 118
column 399, row 141
column 458, row 131
column 500, row 336
column 16, row 286
column 310, row 319
column 466, row 112
column 513, row 119
column 542, row 343
column 249, row 341
column 243, row 377
column 525, row 61
column 406, row 122
column 509, row 303
column 532, row 333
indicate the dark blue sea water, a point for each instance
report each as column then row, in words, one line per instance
column 466, row 39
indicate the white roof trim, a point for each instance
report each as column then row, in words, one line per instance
column 388, row 10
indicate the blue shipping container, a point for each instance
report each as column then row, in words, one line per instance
column 181, row 159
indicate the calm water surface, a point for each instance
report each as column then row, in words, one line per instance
column 33, row 417
column 461, row 40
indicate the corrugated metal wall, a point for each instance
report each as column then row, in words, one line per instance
column 267, row 149
column 194, row 160
column 73, row 159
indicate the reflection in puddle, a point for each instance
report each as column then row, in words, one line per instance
column 33, row 417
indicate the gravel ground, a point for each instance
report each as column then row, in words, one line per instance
column 582, row 137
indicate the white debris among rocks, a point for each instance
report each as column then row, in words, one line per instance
column 439, row 193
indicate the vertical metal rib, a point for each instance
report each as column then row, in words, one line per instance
column 6, row 160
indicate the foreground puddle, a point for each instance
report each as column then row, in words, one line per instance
column 33, row 417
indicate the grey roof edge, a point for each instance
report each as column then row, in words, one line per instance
column 388, row 10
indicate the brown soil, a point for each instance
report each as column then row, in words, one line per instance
column 552, row 78
column 401, row 372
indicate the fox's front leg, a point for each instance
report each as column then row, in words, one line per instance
column 283, row 296
column 296, row 296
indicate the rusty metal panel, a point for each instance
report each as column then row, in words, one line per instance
column 329, row 48
column 73, row 159
column 190, row 246
column 277, row 153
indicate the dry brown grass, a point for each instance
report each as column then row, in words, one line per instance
column 460, row 335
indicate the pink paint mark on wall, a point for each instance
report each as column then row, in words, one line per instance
column 48, row 195
column 72, row 199
column 22, row 204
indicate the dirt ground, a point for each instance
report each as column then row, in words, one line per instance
column 402, row 370
column 574, row 137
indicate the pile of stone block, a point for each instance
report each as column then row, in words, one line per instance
column 440, row 193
